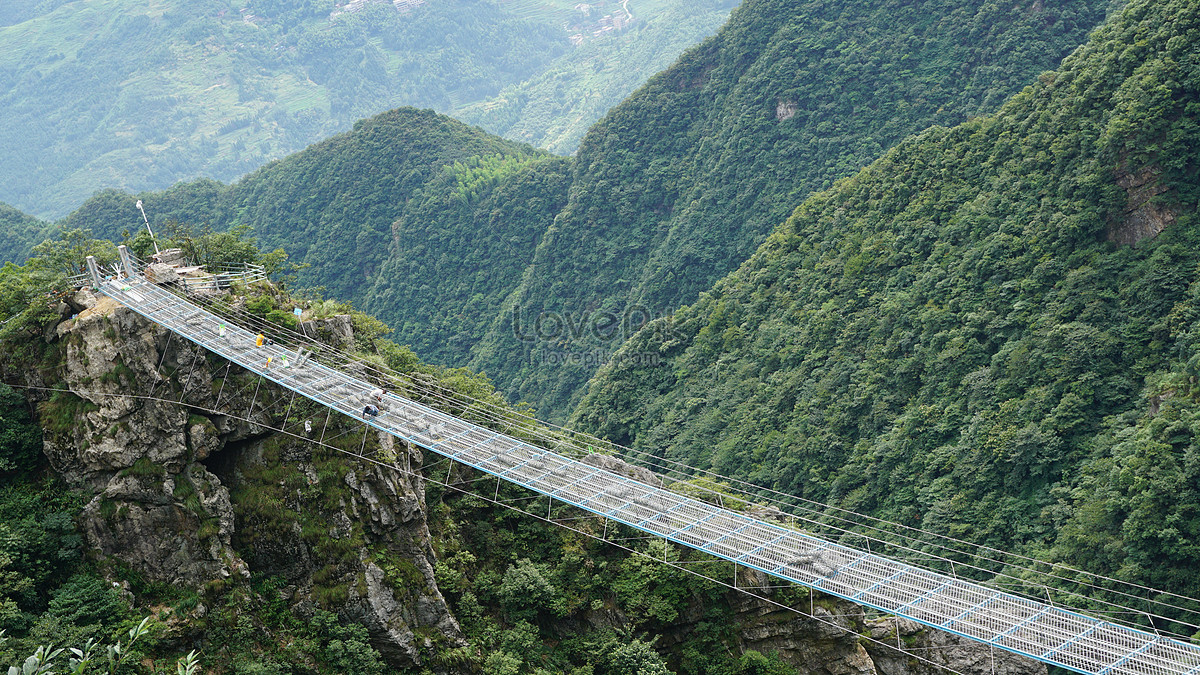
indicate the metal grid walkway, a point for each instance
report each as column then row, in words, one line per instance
column 1050, row 634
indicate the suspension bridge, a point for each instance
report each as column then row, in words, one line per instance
column 1006, row 621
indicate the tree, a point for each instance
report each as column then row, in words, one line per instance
column 68, row 254
column 636, row 657
column 20, row 437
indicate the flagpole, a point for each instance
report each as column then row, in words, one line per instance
column 152, row 241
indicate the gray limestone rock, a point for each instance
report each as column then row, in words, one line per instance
column 389, row 581
column 622, row 468
column 937, row 648
column 164, row 453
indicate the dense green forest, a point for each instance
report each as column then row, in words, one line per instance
column 673, row 189
column 957, row 338
column 334, row 205
column 18, row 233
column 679, row 184
column 460, row 248
column 117, row 94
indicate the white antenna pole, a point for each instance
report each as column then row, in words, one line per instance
column 152, row 241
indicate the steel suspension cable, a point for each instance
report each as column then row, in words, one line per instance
column 567, row 439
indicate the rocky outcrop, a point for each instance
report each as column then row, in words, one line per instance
column 622, row 468
column 336, row 330
column 191, row 487
column 824, row 635
column 121, row 434
column 358, row 538
column 924, row 651
column 1144, row 217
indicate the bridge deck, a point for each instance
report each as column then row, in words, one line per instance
column 1009, row 622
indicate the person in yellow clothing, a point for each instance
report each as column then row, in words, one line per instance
column 258, row 341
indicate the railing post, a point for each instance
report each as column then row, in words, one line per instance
column 95, row 273
column 125, row 262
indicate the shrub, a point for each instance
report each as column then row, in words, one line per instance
column 87, row 600
column 525, row 589
column 20, row 438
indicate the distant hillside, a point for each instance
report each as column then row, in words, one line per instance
column 680, row 183
column 108, row 94
column 556, row 107
column 124, row 95
column 960, row 337
column 460, row 248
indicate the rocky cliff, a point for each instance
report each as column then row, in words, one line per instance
column 193, row 486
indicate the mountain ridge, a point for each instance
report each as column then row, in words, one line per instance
column 678, row 185
column 670, row 191
column 955, row 336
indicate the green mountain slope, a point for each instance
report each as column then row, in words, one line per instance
column 429, row 222
column 334, row 204
column 18, row 233
column 674, row 188
column 959, row 338
column 679, row 184
column 460, row 248
column 124, row 95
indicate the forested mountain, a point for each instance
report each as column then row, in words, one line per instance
column 432, row 225
column 18, row 233
column 335, row 203
column 428, row 222
column 124, row 95
column 679, row 184
column 989, row 333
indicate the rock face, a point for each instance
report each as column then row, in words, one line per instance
column 938, row 648
column 353, row 535
column 119, row 435
column 829, row 636
column 1143, row 218
column 192, row 487
column 622, row 468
